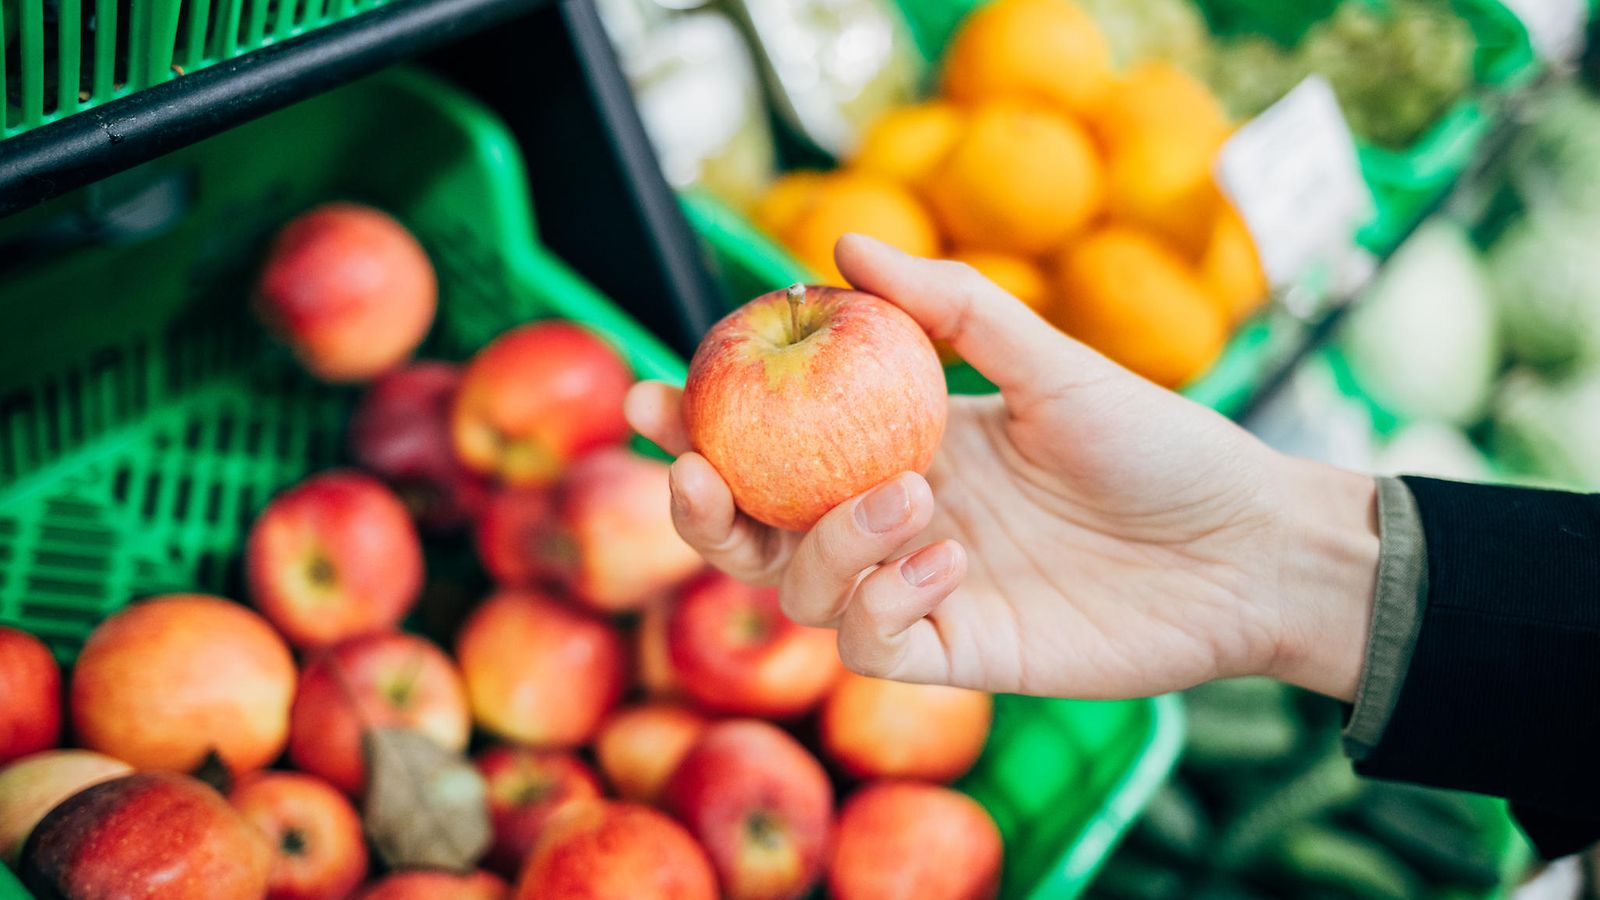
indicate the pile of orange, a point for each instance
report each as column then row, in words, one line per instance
column 1084, row 191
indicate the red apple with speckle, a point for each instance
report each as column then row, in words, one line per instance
column 905, row 840
column 601, row 849
column 427, row 884
column 527, row 788
column 318, row 852
column 639, row 747
column 874, row 728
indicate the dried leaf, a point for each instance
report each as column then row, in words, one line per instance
column 213, row 771
column 426, row 806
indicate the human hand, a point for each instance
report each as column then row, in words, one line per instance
column 1082, row 533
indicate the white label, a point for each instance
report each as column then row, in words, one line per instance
column 1555, row 27
column 1293, row 175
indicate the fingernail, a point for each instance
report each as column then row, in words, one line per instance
column 884, row 508
column 926, row 565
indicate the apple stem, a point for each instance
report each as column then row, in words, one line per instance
column 796, row 296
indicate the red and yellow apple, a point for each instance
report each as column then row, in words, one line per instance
column 539, row 672
column 761, row 806
column 30, row 696
column 915, row 841
column 604, row 533
column 802, row 399
column 167, row 681
column 146, row 835
column 652, row 656
column 527, row 788
column 334, row 557
column 536, row 398
column 639, row 747
column 601, row 849
column 377, row 681
column 33, row 785
column 349, row 290
column 318, row 851
column 428, row 884
column 877, row 729
column 400, row 431
column 735, row 651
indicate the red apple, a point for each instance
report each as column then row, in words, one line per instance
column 652, row 656
column 736, row 652
column 605, row 533
column 30, row 696
column 526, row 789
column 349, row 290
column 802, row 399
column 318, row 852
column 537, row 398
column 146, row 835
column 904, row 839
column 400, row 432
column 32, row 786
column 539, row 672
column 760, row 805
column 376, row 681
column 601, row 849
column 423, row 884
column 875, row 728
column 640, row 746
column 334, row 557
column 167, row 681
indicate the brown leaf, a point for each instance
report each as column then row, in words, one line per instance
column 213, row 771
column 426, row 806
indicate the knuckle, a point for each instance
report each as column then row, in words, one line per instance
column 861, row 658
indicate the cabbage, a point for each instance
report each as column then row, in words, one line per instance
column 1545, row 270
column 1550, row 428
column 1432, row 448
column 1423, row 342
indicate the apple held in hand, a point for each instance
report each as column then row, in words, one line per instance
column 30, row 695
column 527, row 788
column 318, row 852
column 32, row 786
column 908, row 839
column 802, row 399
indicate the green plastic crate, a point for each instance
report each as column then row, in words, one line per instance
column 61, row 58
column 146, row 419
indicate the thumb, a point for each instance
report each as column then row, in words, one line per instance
column 998, row 334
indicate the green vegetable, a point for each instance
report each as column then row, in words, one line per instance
column 1235, row 738
column 1327, row 783
column 1140, row 30
column 1137, row 876
column 1436, row 832
column 1321, row 854
column 1175, row 823
column 1250, row 73
column 1549, row 428
column 1546, row 278
column 1556, row 157
column 1424, row 342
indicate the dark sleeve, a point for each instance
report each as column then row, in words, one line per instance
column 1502, row 694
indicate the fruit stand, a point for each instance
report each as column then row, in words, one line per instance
column 397, row 591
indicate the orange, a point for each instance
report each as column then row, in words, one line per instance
column 1020, row 180
column 1018, row 276
column 1048, row 51
column 784, row 199
column 1230, row 270
column 906, row 144
column 1132, row 298
column 851, row 201
column 1158, row 98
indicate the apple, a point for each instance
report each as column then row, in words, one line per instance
column 875, row 728
column 539, row 672
column 149, row 834
column 604, row 534
column 652, row 657
column 334, row 557
column 318, row 851
column 536, row 398
column 33, row 785
column 760, row 805
column 400, row 431
column 30, row 696
column 804, row 398
column 165, row 682
column 639, row 747
column 526, row 789
column 349, row 290
column 906, row 839
column 427, row 884
column 377, row 681
column 602, row 849
column 735, row 651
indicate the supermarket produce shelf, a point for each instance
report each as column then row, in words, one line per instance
column 73, row 151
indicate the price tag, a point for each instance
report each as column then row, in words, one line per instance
column 1555, row 27
column 1293, row 175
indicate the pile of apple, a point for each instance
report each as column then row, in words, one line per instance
column 632, row 716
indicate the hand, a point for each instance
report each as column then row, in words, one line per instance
column 1083, row 533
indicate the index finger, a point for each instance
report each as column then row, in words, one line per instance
column 654, row 410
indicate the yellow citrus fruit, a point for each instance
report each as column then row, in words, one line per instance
column 908, row 143
column 1158, row 98
column 784, row 199
column 1016, row 275
column 1230, row 270
column 1048, row 51
column 1129, row 296
column 866, row 204
column 1021, row 179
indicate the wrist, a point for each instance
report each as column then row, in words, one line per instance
column 1327, row 576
